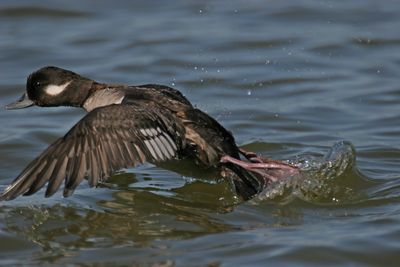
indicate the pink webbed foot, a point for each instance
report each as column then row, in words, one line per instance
column 267, row 169
column 251, row 156
column 253, row 176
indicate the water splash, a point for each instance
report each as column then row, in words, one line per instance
column 320, row 178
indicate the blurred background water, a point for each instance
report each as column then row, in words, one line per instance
column 288, row 78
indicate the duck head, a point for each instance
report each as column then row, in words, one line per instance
column 53, row 86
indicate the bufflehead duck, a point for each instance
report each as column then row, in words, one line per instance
column 126, row 126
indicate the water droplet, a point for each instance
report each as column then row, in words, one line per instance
column 248, row 92
column 218, row 70
column 200, row 11
column 267, row 62
column 378, row 71
column 195, row 67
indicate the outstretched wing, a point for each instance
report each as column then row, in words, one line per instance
column 105, row 140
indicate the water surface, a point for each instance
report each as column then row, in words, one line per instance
column 289, row 79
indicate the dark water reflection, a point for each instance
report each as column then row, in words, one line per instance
column 289, row 79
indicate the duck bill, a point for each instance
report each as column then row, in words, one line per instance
column 23, row 102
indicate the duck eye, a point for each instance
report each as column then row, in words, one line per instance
column 38, row 84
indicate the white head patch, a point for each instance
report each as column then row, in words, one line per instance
column 53, row 89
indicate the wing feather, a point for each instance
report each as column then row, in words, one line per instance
column 105, row 140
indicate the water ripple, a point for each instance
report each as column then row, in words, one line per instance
column 288, row 79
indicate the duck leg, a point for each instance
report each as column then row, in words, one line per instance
column 253, row 176
column 269, row 170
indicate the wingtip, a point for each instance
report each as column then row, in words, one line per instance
column 67, row 192
column 49, row 192
column 5, row 196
